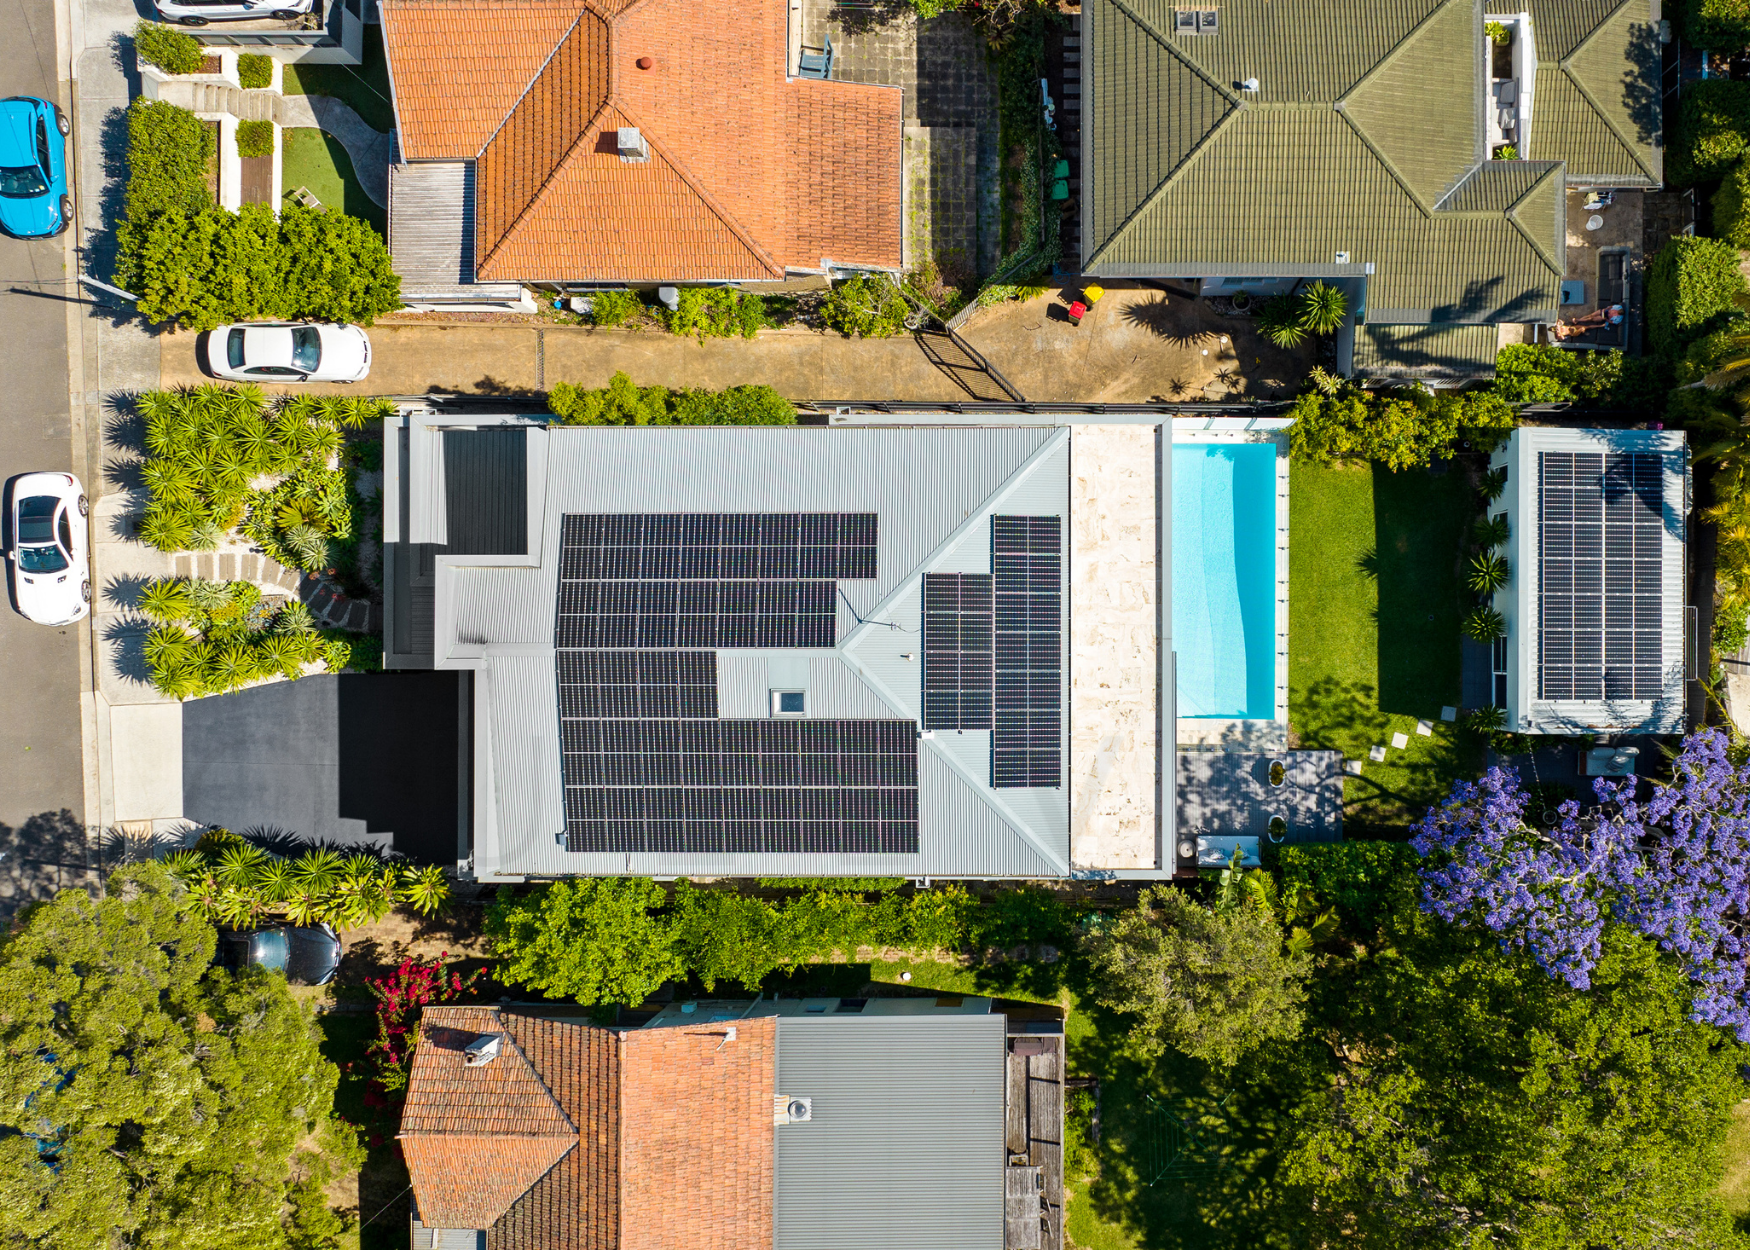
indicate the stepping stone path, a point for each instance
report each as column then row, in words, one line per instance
column 1448, row 713
column 1377, row 755
column 1425, row 728
column 1400, row 740
column 331, row 608
column 1352, row 767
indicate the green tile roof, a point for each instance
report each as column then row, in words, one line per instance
column 1597, row 98
column 1365, row 139
column 1431, row 353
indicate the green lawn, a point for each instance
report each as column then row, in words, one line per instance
column 365, row 87
column 315, row 159
column 1375, row 601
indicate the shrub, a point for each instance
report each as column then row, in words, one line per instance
column 621, row 402
column 401, row 996
column 1489, row 572
column 171, row 50
column 168, row 152
column 1723, row 25
column 613, row 308
column 1357, row 878
column 1693, row 287
column 254, row 71
column 1399, row 429
column 1279, row 321
column 254, row 139
column 866, row 306
column 1484, row 625
column 1543, row 374
column 238, row 883
column 716, row 312
column 204, row 269
column 1713, row 120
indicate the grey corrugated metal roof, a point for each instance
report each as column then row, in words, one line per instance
column 932, row 489
column 906, row 1144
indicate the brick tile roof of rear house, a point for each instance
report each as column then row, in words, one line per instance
column 739, row 171
column 680, row 1133
column 1321, row 139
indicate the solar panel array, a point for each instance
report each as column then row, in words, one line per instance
column 1601, row 532
column 647, row 766
column 957, row 651
column 1027, row 576
column 708, row 580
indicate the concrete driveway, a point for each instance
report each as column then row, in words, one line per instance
column 1138, row 344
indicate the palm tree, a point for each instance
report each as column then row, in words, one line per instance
column 1485, row 625
column 240, row 864
column 1489, row 572
column 1491, row 533
column 317, row 871
column 1322, row 308
column 425, row 889
column 274, row 881
column 164, row 599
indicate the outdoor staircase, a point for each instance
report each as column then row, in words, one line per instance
column 210, row 99
column 1069, row 133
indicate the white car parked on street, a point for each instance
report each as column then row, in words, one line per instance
column 200, row 12
column 289, row 351
column 47, row 548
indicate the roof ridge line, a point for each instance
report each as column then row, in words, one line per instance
column 698, row 188
column 1234, row 106
column 529, row 86
column 1549, row 258
column 1386, row 161
column 480, row 259
column 536, row 1073
column 1592, row 34
column 1628, row 144
column 1391, row 53
column 1173, row 176
column 1458, row 186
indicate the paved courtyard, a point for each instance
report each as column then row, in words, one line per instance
column 953, row 212
column 1228, row 794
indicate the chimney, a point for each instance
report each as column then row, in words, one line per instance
column 632, row 145
column 483, row 1049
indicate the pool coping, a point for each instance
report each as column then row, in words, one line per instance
column 1216, row 734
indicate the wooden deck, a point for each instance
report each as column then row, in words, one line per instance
column 1033, row 1203
column 257, row 179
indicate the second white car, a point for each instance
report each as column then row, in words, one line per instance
column 289, row 351
column 47, row 548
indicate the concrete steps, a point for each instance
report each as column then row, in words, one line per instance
column 214, row 98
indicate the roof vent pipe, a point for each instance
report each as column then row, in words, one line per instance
column 1251, row 84
column 645, row 62
column 482, row 1050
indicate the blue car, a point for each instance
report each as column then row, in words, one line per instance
column 34, row 198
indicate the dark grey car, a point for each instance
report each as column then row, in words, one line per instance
column 307, row 954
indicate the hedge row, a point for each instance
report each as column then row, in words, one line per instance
column 1693, row 287
column 621, row 402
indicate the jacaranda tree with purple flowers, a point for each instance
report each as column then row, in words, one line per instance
column 1675, row 868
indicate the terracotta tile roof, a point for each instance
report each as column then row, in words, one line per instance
column 459, row 66
column 666, row 1138
column 475, row 1139
column 696, row 1136
column 576, row 1206
column 749, row 172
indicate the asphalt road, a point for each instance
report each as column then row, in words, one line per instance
column 41, row 772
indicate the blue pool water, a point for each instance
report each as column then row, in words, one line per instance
column 1224, row 579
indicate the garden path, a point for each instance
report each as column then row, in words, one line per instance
column 371, row 151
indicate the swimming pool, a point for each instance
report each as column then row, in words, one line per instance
column 1224, row 579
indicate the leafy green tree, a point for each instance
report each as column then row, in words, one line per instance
column 596, row 939
column 146, row 1098
column 1212, row 982
column 337, row 267
column 1468, row 1099
column 1401, row 429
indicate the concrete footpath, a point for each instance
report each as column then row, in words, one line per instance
column 1137, row 345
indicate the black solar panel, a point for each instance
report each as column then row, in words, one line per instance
column 703, row 580
column 1027, row 619
column 957, row 650
column 647, row 765
column 1601, row 529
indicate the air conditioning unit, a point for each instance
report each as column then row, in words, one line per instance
column 789, row 1110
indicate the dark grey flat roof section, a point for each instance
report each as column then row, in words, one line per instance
column 486, row 492
column 905, row 1147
